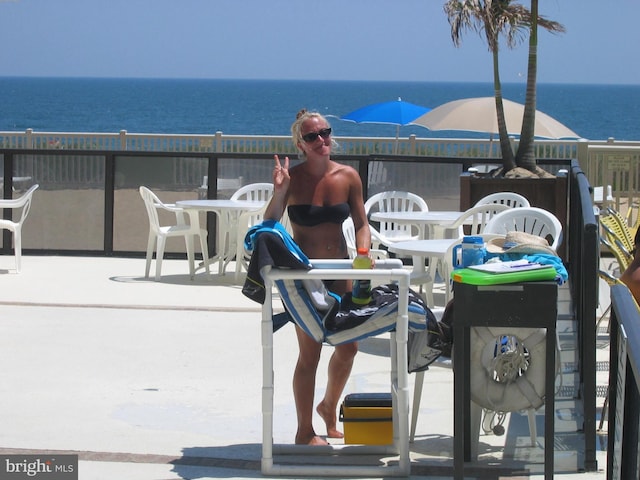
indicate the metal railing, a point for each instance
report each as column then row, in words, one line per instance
column 88, row 201
column 583, row 277
column 624, row 386
column 605, row 162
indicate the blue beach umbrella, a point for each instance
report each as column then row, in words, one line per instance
column 397, row 113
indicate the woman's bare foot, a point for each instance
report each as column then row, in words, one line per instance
column 313, row 440
column 330, row 420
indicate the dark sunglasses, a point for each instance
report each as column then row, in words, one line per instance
column 313, row 136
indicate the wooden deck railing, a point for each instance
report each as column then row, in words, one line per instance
column 605, row 162
column 219, row 142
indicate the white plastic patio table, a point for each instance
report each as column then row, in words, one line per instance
column 434, row 249
column 425, row 248
column 227, row 212
column 385, row 271
column 433, row 223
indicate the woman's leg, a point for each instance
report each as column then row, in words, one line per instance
column 340, row 366
column 339, row 370
column 304, row 382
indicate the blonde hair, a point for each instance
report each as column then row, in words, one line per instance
column 296, row 127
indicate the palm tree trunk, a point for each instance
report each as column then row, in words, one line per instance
column 508, row 162
column 525, row 157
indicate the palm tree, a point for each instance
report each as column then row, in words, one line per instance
column 525, row 157
column 493, row 18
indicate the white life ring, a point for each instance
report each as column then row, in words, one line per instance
column 507, row 368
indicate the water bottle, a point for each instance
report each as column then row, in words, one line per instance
column 361, row 291
column 470, row 252
column 473, row 251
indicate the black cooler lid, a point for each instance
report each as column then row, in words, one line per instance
column 380, row 399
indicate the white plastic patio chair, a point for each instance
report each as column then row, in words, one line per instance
column 244, row 222
column 533, row 220
column 395, row 201
column 158, row 233
column 472, row 222
column 349, row 232
column 378, row 176
column 254, row 192
column 24, row 202
column 511, row 199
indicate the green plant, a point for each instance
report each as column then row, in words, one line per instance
column 494, row 19
column 525, row 156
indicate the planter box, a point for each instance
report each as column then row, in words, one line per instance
column 548, row 193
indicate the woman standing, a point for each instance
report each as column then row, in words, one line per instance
column 319, row 195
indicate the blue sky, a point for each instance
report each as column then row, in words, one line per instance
column 296, row 39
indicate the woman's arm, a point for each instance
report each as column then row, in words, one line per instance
column 281, row 180
column 358, row 214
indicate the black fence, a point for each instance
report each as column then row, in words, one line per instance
column 88, row 203
column 583, row 274
column 624, row 386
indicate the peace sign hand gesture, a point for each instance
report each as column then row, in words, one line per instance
column 281, row 174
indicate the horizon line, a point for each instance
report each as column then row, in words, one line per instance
column 236, row 79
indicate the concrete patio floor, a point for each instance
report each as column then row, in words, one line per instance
column 162, row 380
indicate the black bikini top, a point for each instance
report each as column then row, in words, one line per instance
column 312, row 215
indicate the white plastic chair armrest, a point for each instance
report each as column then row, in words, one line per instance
column 378, row 253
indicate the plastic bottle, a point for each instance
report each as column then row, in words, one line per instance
column 470, row 252
column 361, row 292
column 473, row 251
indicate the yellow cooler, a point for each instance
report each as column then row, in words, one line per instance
column 367, row 418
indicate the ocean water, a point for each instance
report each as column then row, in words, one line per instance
column 268, row 107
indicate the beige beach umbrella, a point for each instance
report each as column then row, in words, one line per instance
column 479, row 115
